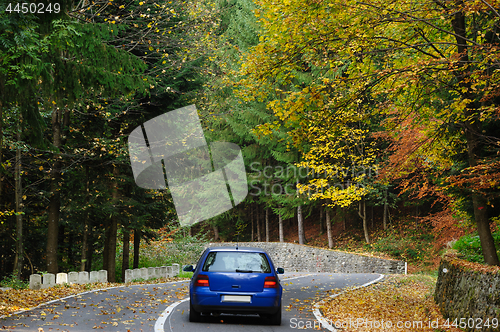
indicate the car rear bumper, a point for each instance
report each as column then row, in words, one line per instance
column 266, row 302
column 236, row 310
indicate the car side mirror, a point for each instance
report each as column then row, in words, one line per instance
column 188, row 268
column 280, row 270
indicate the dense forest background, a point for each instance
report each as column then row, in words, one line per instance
column 371, row 119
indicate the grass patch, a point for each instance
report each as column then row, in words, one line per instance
column 187, row 275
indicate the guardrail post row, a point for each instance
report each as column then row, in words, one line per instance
column 136, row 274
column 103, row 276
column 175, row 269
column 38, row 281
column 151, row 272
column 169, row 272
column 73, row 277
column 144, row 273
column 83, row 277
column 62, row 278
column 128, row 275
column 94, row 276
column 35, row 281
column 49, row 280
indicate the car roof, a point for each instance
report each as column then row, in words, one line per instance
column 245, row 249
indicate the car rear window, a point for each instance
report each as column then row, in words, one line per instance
column 236, row 261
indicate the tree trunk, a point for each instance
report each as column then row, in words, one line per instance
column 90, row 249
column 328, row 228
column 300, row 222
column 113, row 228
column 280, row 225
column 55, row 196
column 53, row 220
column 111, row 268
column 321, row 223
column 83, row 260
column 105, row 250
column 479, row 203
column 1, row 147
column 216, row 233
column 300, row 225
column 472, row 135
column 18, row 261
column 344, row 217
column 362, row 214
column 257, row 210
column 384, row 219
column 126, row 251
column 267, row 225
column 372, row 218
column 137, row 242
column 252, row 236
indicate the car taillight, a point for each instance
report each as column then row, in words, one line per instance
column 201, row 280
column 270, row 282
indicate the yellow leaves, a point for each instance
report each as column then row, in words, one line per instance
column 396, row 300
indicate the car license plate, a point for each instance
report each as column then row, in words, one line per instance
column 236, row 298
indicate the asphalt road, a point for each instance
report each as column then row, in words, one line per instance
column 160, row 307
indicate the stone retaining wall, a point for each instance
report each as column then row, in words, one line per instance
column 469, row 293
column 47, row 280
column 301, row 258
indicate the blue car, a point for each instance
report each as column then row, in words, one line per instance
column 237, row 281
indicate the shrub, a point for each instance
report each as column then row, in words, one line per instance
column 13, row 282
column 469, row 247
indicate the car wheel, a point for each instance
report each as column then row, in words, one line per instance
column 194, row 316
column 275, row 319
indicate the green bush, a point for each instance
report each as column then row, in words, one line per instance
column 411, row 248
column 469, row 247
column 182, row 250
column 13, row 282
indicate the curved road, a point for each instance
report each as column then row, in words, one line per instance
column 144, row 308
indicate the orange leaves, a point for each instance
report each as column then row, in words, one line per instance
column 483, row 178
column 13, row 300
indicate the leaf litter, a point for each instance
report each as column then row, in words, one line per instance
column 15, row 300
column 395, row 301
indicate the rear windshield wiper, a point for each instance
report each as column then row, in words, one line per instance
column 244, row 271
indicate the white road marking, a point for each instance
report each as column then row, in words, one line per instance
column 160, row 322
